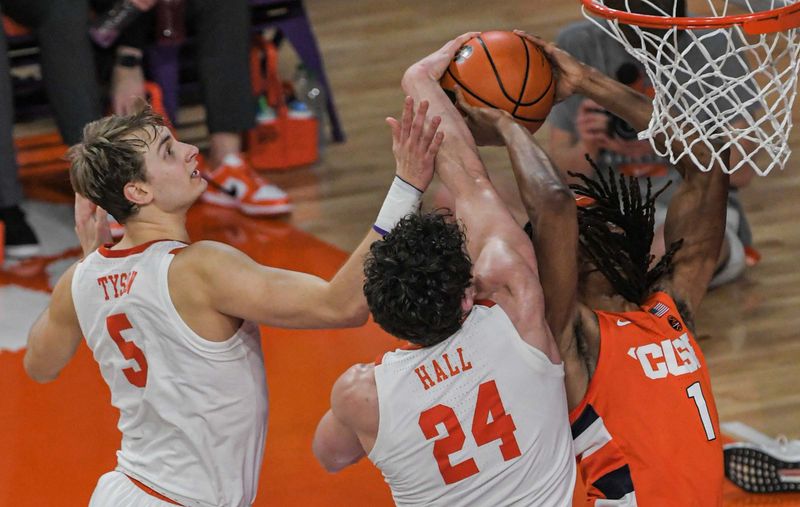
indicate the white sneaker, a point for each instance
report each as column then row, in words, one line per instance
column 768, row 467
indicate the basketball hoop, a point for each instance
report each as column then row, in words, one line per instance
column 743, row 96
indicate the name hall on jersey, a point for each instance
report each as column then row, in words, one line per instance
column 461, row 365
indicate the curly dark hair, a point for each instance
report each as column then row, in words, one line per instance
column 416, row 277
column 621, row 254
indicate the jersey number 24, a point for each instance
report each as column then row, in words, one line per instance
column 501, row 427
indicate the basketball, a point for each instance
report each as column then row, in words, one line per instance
column 505, row 71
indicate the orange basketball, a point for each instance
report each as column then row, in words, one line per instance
column 505, row 71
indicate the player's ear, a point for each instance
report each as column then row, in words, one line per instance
column 138, row 192
column 469, row 299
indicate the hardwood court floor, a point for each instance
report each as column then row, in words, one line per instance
column 57, row 439
column 748, row 330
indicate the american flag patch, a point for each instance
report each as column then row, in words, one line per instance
column 659, row 309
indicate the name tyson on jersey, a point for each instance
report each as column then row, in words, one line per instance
column 116, row 284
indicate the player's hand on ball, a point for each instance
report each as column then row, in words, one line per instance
column 483, row 122
column 415, row 143
column 433, row 66
column 91, row 225
column 569, row 72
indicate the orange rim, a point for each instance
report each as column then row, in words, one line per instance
column 775, row 20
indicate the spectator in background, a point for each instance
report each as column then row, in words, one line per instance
column 580, row 126
column 222, row 34
column 70, row 81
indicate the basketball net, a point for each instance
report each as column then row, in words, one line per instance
column 741, row 97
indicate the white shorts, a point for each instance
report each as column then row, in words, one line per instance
column 115, row 489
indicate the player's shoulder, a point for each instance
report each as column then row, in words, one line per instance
column 667, row 299
column 499, row 263
column 355, row 394
column 64, row 283
column 357, row 378
column 202, row 254
column 207, row 247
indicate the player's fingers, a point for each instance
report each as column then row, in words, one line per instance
column 100, row 215
column 548, row 47
column 461, row 39
column 433, row 149
column 430, row 132
column 407, row 118
column 83, row 208
column 461, row 101
column 395, row 126
column 102, row 228
column 533, row 38
column 472, row 113
column 419, row 121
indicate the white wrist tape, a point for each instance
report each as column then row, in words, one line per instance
column 402, row 199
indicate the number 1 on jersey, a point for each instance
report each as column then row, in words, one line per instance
column 695, row 391
column 500, row 428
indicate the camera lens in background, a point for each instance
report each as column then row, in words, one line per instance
column 627, row 74
column 617, row 127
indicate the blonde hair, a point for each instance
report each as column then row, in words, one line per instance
column 111, row 156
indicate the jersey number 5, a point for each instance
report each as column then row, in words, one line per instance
column 500, row 428
column 116, row 324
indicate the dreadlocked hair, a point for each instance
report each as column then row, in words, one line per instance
column 617, row 230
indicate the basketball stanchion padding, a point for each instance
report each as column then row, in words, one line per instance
column 505, row 71
column 741, row 100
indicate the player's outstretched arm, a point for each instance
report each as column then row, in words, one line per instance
column 351, row 424
column 550, row 207
column 696, row 213
column 575, row 77
column 484, row 215
column 505, row 268
column 227, row 280
column 696, row 216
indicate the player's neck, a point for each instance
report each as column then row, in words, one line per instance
column 613, row 303
column 141, row 230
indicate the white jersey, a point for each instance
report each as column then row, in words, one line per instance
column 192, row 412
column 478, row 419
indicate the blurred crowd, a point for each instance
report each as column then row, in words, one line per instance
column 92, row 54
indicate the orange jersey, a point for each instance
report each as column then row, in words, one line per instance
column 647, row 432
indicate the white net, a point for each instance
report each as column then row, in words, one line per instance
column 720, row 87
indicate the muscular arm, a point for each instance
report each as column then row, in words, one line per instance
column 248, row 290
column 696, row 213
column 351, row 424
column 551, row 209
column 55, row 336
column 511, row 278
column 478, row 206
column 277, row 297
